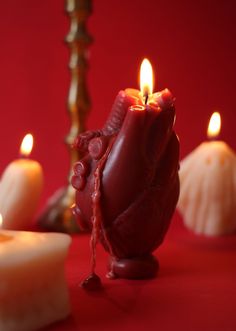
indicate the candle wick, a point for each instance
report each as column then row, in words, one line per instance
column 146, row 99
column 23, row 156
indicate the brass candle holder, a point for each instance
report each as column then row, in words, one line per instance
column 57, row 215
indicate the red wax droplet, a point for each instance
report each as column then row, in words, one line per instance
column 92, row 283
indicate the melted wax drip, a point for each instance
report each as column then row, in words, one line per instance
column 93, row 282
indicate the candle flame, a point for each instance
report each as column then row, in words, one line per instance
column 1, row 220
column 214, row 125
column 27, row 145
column 146, row 78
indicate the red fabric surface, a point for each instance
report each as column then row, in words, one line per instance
column 194, row 290
column 190, row 43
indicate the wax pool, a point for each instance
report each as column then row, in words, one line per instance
column 33, row 291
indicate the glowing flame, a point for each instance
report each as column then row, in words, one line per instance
column 214, row 125
column 1, row 220
column 146, row 78
column 27, row 145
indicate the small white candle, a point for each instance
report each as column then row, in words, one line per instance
column 20, row 189
column 208, row 186
column 33, row 291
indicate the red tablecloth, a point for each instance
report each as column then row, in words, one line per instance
column 195, row 289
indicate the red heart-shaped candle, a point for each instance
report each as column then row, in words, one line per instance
column 127, row 183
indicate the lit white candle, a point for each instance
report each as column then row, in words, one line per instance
column 20, row 189
column 208, row 186
column 33, row 291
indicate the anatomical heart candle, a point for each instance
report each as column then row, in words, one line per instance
column 127, row 183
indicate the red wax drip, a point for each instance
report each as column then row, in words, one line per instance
column 92, row 283
column 96, row 206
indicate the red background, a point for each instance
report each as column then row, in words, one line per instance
column 192, row 48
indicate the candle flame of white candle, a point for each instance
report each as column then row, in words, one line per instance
column 146, row 78
column 1, row 220
column 27, row 145
column 214, row 125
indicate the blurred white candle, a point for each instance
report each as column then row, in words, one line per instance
column 208, row 186
column 20, row 189
column 33, row 290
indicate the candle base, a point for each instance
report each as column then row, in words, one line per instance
column 57, row 215
column 143, row 267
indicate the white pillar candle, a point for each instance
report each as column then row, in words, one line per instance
column 208, row 186
column 20, row 189
column 33, row 291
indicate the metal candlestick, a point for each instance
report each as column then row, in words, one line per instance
column 57, row 215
